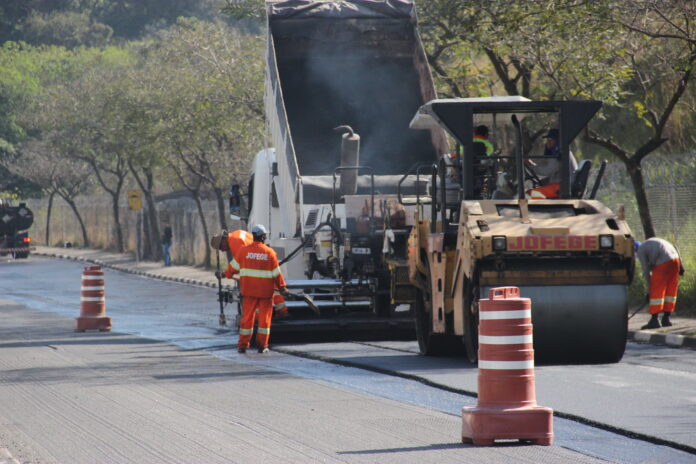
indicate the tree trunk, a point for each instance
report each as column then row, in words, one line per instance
column 636, row 174
column 146, row 239
column 221, row 208
column 73, row 206
column 117, row 221
column 152, row 244
column 48, row 218
column 153, row 220
column 199, row 205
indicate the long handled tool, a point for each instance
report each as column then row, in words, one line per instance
column 638, row 310
column 222, row 320
column 306, row 298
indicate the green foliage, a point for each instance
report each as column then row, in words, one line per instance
column 24, row 73
column 91, row 22
column 245, row 9
column 66, row 28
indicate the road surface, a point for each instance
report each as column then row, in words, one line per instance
column 167, row 386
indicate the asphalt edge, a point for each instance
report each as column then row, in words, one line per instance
column 639, row 336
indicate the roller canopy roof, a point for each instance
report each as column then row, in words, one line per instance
column 456, row 114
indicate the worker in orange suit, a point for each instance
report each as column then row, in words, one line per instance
column 259, row 275
column 661, row 270
column 236, row 240
column 231, row 242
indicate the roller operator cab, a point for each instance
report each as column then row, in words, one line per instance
column 571, row 255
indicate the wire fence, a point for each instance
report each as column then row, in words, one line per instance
column 670, row 185
column 672, row 208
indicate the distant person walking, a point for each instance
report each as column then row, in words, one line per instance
column 661, row 270
column 167, row 244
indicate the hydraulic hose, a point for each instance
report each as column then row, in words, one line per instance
column 311, row 236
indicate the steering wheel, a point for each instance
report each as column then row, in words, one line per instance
column 530, row 174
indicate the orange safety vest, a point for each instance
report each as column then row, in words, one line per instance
column 258, row 269
column 235, row 241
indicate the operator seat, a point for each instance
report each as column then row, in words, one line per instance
column 578, row 180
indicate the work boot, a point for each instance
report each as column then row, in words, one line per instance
column 263, row 350
column 665, row 320
column 653, row 323
column 241, row 350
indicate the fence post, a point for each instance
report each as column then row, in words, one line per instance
column 673, row 207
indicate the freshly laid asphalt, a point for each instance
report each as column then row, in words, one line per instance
column 682, row 334
column 124, row 396
column 204, row 278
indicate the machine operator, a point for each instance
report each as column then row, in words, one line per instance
column 549, row 169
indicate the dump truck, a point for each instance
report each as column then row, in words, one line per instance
column 343, row 80
column 14, row 224
column 571, row 255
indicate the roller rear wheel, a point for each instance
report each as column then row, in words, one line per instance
column 471, row 320
column 430, row 343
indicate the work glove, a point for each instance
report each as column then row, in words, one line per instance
column 682, row 271
column 284, row 291
column 220, row 274
column 647, row 298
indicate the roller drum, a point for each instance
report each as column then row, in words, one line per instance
column 578, row 324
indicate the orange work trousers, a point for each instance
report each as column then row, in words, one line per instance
column 664, row 284
column 246, row 326
column 550, row 190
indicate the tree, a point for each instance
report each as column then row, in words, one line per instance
column 662, row 56
column 210, row 111
column 56, row 174
column 636, row 56
column 192, row 183
column 221, row 113
column 67, row 28
column 78, row 119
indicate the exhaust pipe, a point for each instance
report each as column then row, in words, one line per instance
column 350, row 157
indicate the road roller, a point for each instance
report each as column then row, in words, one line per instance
column 479, row 227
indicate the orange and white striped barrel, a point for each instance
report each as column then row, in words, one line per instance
column 506, row 351
column 92, row 302
column 506, row 407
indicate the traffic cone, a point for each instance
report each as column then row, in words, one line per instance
column 506, row 408
column 92, row 302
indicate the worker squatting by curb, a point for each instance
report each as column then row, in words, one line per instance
column 639, row 336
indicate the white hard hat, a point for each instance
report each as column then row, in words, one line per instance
column 258, row 230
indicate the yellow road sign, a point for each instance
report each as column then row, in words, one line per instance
column 135, row 201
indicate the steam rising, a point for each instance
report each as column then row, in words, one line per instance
column 338, row 75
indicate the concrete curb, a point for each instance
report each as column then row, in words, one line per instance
column 639, row 336
column 671, row 340
column 128, row 270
